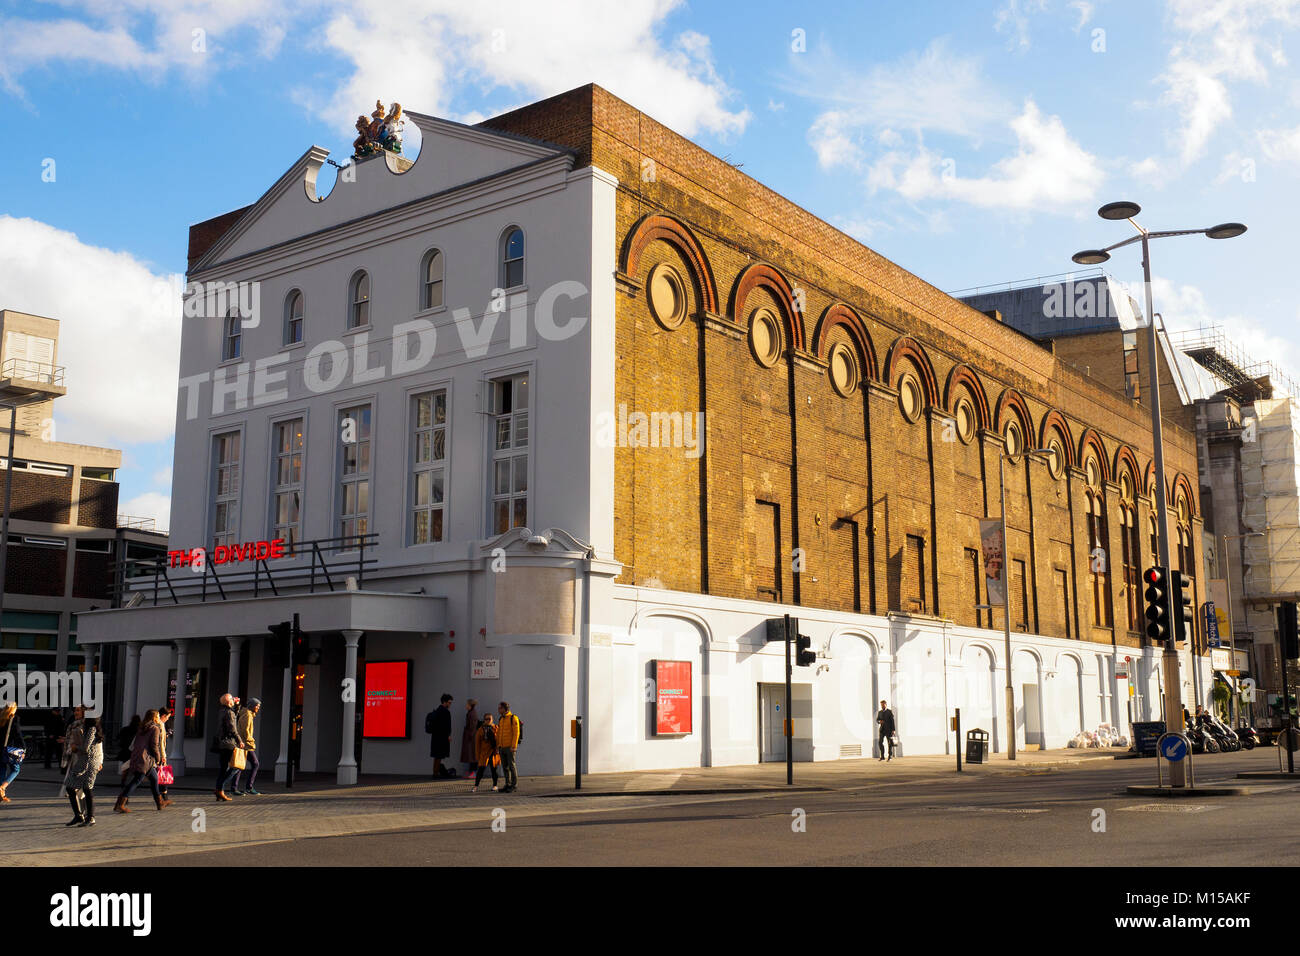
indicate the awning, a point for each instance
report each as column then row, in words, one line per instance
column 319, row 612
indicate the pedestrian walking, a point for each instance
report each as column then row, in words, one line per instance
column 125, row 738
column 70, row 730
column 245, row 779
column 165, row 776
column 485, row 752
column 438, row 726
column 146, row 757
column 85, row 759
column 227, row 743
column 12, row 748
column 469, row 736
column 510, row 733
column 885, row 721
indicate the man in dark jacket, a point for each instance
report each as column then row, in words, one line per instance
column 438, row 726
column 885, row 721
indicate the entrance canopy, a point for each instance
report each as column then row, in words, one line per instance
column 321, row 612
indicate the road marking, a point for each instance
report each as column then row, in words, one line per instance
column 988, row 809
column 1173, row 807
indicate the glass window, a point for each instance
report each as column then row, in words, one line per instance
column 509, row 488
column 512, row 258
column 431, row 276
column 231, row 339
column 428, row 466
column 286, row 482
column 294, row 311
column 354, row 473
column 359, row 301
column 225, row 488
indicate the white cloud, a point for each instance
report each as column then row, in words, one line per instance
column 1084, row 9
column 1281, row 145
column 833, row 138
column 163, row 477
column 151, row 504
column 1013, row 18
column 119, row 331
column 427, row 53
column 1218, row 44
column 1048, row 169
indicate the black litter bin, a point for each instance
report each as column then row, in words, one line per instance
column 977, row 746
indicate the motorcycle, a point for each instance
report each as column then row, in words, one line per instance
column 1202, row 741
column 1249, row 737
column 1223, row 735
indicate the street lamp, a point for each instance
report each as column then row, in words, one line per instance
column 1006, row 596
column 1227, row 230
column 1227, row 584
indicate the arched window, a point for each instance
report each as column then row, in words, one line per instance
column 1187, row 561
column 231, row 337
column 512, row 258
column 1129, row 543
column 359, row 301
column 1098, row 558
column 431, row 275
column 294, row 312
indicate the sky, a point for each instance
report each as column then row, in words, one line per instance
column 969, row 142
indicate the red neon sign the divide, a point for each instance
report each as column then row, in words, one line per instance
column 228, row 553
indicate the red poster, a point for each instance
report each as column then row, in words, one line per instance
column 672, row 697
column 387, row 701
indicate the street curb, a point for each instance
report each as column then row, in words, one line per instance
column 1268, row 775
column 690, row 792
column 1168, row 792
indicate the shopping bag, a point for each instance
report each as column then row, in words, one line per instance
column 239, row 761
column 165, row 775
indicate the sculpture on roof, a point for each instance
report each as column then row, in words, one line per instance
column 379, row 132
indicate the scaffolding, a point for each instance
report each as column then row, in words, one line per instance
column 1210, row 348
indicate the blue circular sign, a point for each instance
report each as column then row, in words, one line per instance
column 1173, row 747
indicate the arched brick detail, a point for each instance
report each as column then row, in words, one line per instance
column 964, row 376
column 1149, row 482
column 906, row 348
column 1054, row 421
column 659, row 227
column 839, row 314
column 1181, row 483
column 1012, row 402
column 1126, row 459
column 762, row 275
column 1091, row 440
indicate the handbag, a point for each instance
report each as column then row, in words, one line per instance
column 14, row 756
column 238, row 760
column 165, row 775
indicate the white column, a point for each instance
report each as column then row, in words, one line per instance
column 177, row 757
column 232, row 672
column 130, row 681
column 348, row 759
column 286, row 706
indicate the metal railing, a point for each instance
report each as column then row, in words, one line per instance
column 322, row 570
column 26, row 371
column 136, row 523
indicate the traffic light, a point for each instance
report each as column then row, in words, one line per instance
column 1290, row 636
column 1184, row 621
column 1157, row 598
column 278, row 647
column 299, row 644
column 805, row 656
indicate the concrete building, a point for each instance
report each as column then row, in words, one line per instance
column 65, row 536
column 564, row 411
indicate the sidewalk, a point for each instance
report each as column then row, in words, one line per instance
column 32, row 831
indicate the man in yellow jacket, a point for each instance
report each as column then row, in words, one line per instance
column 509, row 731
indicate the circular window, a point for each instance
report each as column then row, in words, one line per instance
column 765, row 337
column 667, row 295
column 965, row 420
column 909, row 398
column 1092, row 471
column 1015, row 440
column 1056, row 460
column 844, row 369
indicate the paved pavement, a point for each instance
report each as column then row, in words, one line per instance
column 32, row 831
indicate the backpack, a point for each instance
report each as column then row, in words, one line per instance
column 520, row 725
column 428, row 722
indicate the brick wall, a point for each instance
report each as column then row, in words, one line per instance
column 783, row 435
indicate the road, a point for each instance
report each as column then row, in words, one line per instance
column 1049, row 818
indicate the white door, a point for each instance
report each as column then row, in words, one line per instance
column 1033, row 725
column 771, row 703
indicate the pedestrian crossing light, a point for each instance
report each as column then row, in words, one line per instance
column 1157, row 601
column 1184, row 621
column 805, row 656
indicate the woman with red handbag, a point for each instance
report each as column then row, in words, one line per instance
column 85, row 758
column 165, row 775
column 146, row 757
